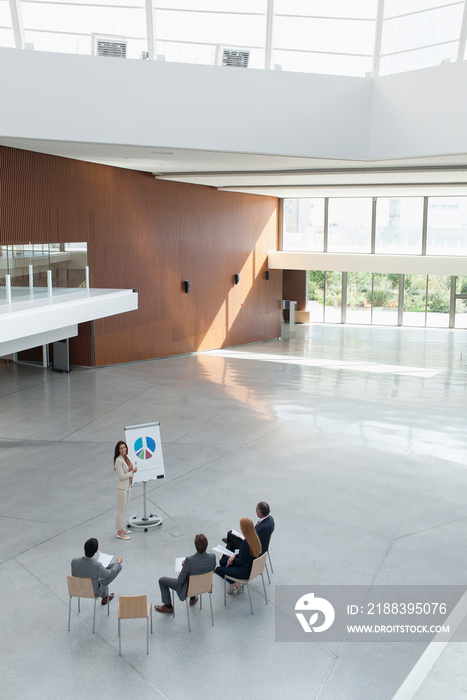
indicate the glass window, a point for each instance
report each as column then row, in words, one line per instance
column 350, row 225
column 399, row 222
column 303, row 224
column 385, row 299
column 447, row 226
column 359, row 293
column 315, row 304
column 438, row 299
column 333, row 297
column 414, row 300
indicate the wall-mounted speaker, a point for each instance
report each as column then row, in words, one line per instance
column 267, row 275
column 236, row 278
column 186, row 286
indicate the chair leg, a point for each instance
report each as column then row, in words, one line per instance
column 264, row 588
column 147, row 635
column 267, row 571
column 188, row 615
column 249, row 596
column 69, row 614
column 94, row 619
column 225, row 588
column 151, row 617
column 210, row 601
column 200, row 601
column 79, row 610
column 173, row 603
column 270, row 562
column 119, row 639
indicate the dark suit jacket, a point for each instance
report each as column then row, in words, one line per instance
column 196, row 564
column 241, row 565
column 265, row 529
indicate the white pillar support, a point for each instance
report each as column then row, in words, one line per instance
column 45, row 363
column 269, row 35
column 8, row 289
column 463, row 35
column 151, row 29
column 31, row 278
column 86, row 270
column 49, row 282
column 378, row 36
column 17, row 23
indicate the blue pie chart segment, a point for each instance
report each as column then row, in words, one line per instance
column 145, row 447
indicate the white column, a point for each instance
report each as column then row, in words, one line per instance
column 31, row 278
column 8, row 288
column 86, row 270
column 49, row 282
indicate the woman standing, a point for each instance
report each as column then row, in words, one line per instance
column 125, row 471
column 239, row 566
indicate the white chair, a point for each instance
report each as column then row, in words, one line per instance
column 131, row 607
column 256, row 570
column 197, row 585
column 82, row 588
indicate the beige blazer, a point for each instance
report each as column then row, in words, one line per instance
column 122, row 481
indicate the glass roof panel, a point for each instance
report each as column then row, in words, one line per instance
column 83, row 19
column 239, row 30
column 421, row 29
column 328, row 64
column 215, row 5
column 358, row 9
column 404, row 7
column 421, row 58
column 324, row 35
column 7, row 38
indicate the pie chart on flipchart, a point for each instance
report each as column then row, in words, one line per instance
column 145, row 447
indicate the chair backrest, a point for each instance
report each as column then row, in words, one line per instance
column 258, row 566
column 80, row 587
column 131, row 606
column 199, row 583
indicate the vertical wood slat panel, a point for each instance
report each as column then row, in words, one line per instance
column 150, row 235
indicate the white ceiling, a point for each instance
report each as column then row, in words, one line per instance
column 272, row 175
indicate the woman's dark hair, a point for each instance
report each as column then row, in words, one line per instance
column 117, row 449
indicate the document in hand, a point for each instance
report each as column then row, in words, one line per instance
column 104, row 559
column 220, row 549
column 238, row 534
column 179, row 564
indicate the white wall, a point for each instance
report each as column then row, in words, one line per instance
column 65, row 97
column 420, row 113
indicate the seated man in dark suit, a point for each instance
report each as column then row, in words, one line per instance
column 199, row 563
column 264, row 527
column 88, row 567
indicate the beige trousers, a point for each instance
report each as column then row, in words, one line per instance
column 122, row 501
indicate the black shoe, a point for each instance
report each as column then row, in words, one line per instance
column 107, row 600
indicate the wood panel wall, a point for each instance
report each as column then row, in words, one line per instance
column 151, row 235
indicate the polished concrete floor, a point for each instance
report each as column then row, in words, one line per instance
column 356, row 436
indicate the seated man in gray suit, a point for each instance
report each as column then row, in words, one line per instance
column 199, row 563
column 88, row 567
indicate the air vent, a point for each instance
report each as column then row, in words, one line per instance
column 109, row 46
column 233, row 57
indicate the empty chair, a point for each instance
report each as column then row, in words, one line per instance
column 131, row 607
column 197, row 585
column 256, row 569
column 82, row 588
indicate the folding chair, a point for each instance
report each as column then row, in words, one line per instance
column 197, row 585
column 82, row 588
column 256, row 570
column 131, row 607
